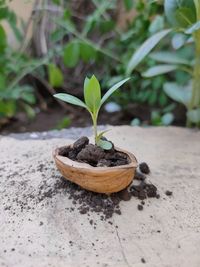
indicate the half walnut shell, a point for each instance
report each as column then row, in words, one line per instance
column 97, row 179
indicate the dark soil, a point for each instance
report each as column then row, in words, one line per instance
column 144, row 168
column 105, row 205
column 82, row 151
column 168, row 193
column 86, row 202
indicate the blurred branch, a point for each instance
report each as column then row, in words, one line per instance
column 24, row 45
column 26, row 71
column 97, row 47
column 51, row 90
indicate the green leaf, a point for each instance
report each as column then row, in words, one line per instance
column 185, row 16
column 4, row 12
column 86, row 81
column 71, row 54
column 156, row 118
column 145, row 49
column 112, row 90
column 106, row 145
column 63, row 123
column 55, row 76
column 128, row 4
column 70, row 99
column 29, row 111
column 135, row 122
column 178, row 40
column 3, row 39
column 158, row 70
column 100, row 135
column 57, row 2
column 180, row 13
column 87, row 52
column 107, row 26
column 167, row 119
column 181, row 94
column 193, row 28
column 92, row 94
column 157, row 24
column 197, row 6
column 27, row 94
column 7, row 108
column 2, row 82
column 168, row 57
column 194, row 115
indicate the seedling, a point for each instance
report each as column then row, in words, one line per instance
column 93, row 103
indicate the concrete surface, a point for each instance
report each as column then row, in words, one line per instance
column 166, row 233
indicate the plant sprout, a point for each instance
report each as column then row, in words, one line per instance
column 93, row 103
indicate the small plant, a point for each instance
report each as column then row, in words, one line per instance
column 93, row 103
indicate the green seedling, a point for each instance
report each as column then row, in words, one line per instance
column 93, row 103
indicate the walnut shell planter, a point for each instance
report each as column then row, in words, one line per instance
column 97, row 179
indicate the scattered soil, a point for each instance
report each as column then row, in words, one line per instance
column 143, row 260
column 168, row 193
column 144, row 168
column 82, row 151
column 86, row 202
column 105, row 205
column 140, row 207
column 29, row 197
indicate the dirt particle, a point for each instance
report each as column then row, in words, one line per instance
column 139, row 176
column 168, row 193
column 140, row 207
column 81, row 143
column 124, row 195
column 143, row 260
column 144, row 168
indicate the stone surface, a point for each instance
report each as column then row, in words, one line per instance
column 166, row 233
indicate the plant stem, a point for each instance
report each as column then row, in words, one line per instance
column 94, row 120
column 195, row 100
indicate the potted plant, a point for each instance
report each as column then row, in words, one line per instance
column 99, row 167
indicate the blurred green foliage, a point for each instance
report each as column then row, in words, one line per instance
column 184, row 17
column 96, row 40
column 12, row 66
column 102, row 43
column 15, row 64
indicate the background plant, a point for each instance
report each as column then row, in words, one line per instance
column 185, row 18
column 93, row 103
column 15, row 64
column 102, row 45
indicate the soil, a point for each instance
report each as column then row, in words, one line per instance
column 144, row 168
column 84, row 201
column 104, row 205
column 168, row 193
column 82, row 151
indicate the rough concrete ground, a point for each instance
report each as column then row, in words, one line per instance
column 165, row 234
